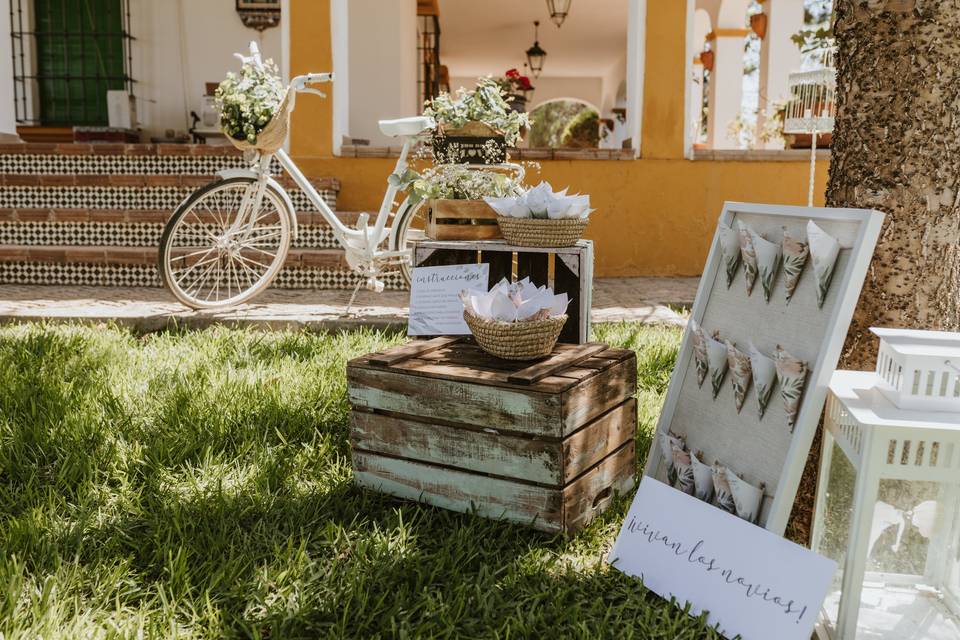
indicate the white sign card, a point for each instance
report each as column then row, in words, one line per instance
column 752, row 582
column 435, row 307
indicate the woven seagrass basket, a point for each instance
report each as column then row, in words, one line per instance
column 272, row 137
column 542, row 232
column 516, row 340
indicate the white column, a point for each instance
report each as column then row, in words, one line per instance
column 696, row 100
column 778, row 57
column 8, row 118
column 726, row 86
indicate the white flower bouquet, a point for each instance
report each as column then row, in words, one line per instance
column 248, row 102
column 515, row 321
column 541, row 217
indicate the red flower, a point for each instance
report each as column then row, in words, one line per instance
column 524, row 82
column 513, row 73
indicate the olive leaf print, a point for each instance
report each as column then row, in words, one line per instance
column 702, row 478
column 824, row 250
column 684, row 468
column 740, row 373
column 768, row 262
column 747, row 498
column 721, row 487
column 748, row 254
column 717, row 359
column 699, row 351
column 795, row 255
column 729, row 251
column 668, row 441
column 792, row 375
column 764, row 373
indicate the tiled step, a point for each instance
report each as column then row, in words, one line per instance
column 326, row 258
column 137, row 267
column 42, row 158
column 130, row 227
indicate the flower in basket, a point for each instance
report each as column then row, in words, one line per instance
column 542, row 202
column 520, row 301
column 485, row 103
column 248, row 100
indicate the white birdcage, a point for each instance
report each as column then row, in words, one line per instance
column 888, row 497
column 813, row 98
column 812, row 106
column 919, row 369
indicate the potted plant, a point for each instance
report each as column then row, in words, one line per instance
column 474, row 126
column 254, row 107
column 517, row 87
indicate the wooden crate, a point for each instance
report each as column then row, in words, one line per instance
column 547, row 444
column 572, row 271
column 461, row 220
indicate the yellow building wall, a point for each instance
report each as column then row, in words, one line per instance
column 655, row 215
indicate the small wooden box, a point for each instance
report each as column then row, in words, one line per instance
column 571, row 269
column 547, row 444
column 461, row 220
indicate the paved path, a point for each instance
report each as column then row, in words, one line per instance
column 650, row 300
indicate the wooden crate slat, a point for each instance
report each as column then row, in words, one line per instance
column 478, row 375
column 603, row 436
column 501, row 265
column 489, row 452
column 461, row 491
column 535, row 266
column 590, row 494
column 531, row 412
column 598, row 394
column 411, row 350
column 556, row 363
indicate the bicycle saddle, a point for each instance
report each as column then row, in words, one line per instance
column 406, row 126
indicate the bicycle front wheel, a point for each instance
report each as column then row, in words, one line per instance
column 211, row 258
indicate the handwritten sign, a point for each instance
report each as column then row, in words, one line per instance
column 752, row 582
column 435, row 307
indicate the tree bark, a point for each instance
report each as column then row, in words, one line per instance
column 896, row 148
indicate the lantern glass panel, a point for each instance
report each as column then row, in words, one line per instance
column 911, row 584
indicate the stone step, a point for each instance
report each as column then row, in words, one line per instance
column 105, row 148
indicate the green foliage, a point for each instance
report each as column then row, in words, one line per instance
column 485, row 103
column 550, row 122
column 198, row 485
column 582, row 131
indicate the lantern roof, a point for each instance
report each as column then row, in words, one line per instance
column 862, row 397
column 916, row 342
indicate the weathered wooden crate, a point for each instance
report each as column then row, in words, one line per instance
column 461, row 220
column 567, row 269
column 547, row 444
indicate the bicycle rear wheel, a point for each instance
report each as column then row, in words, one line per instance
column 209, row 259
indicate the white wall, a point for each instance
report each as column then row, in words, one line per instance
column 179, row 46
column 382, row 65
column 8, row 118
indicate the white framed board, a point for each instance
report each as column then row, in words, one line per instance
column 765, row 451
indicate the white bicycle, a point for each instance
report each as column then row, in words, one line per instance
column 229, row 239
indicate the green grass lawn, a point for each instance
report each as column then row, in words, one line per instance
column 198, row 485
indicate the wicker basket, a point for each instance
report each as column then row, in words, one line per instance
column 542, row 232
column 516, row 340
column 272, row 137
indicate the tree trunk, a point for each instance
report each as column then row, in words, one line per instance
column 896, row 148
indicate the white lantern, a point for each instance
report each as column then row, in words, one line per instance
column 888, row 500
